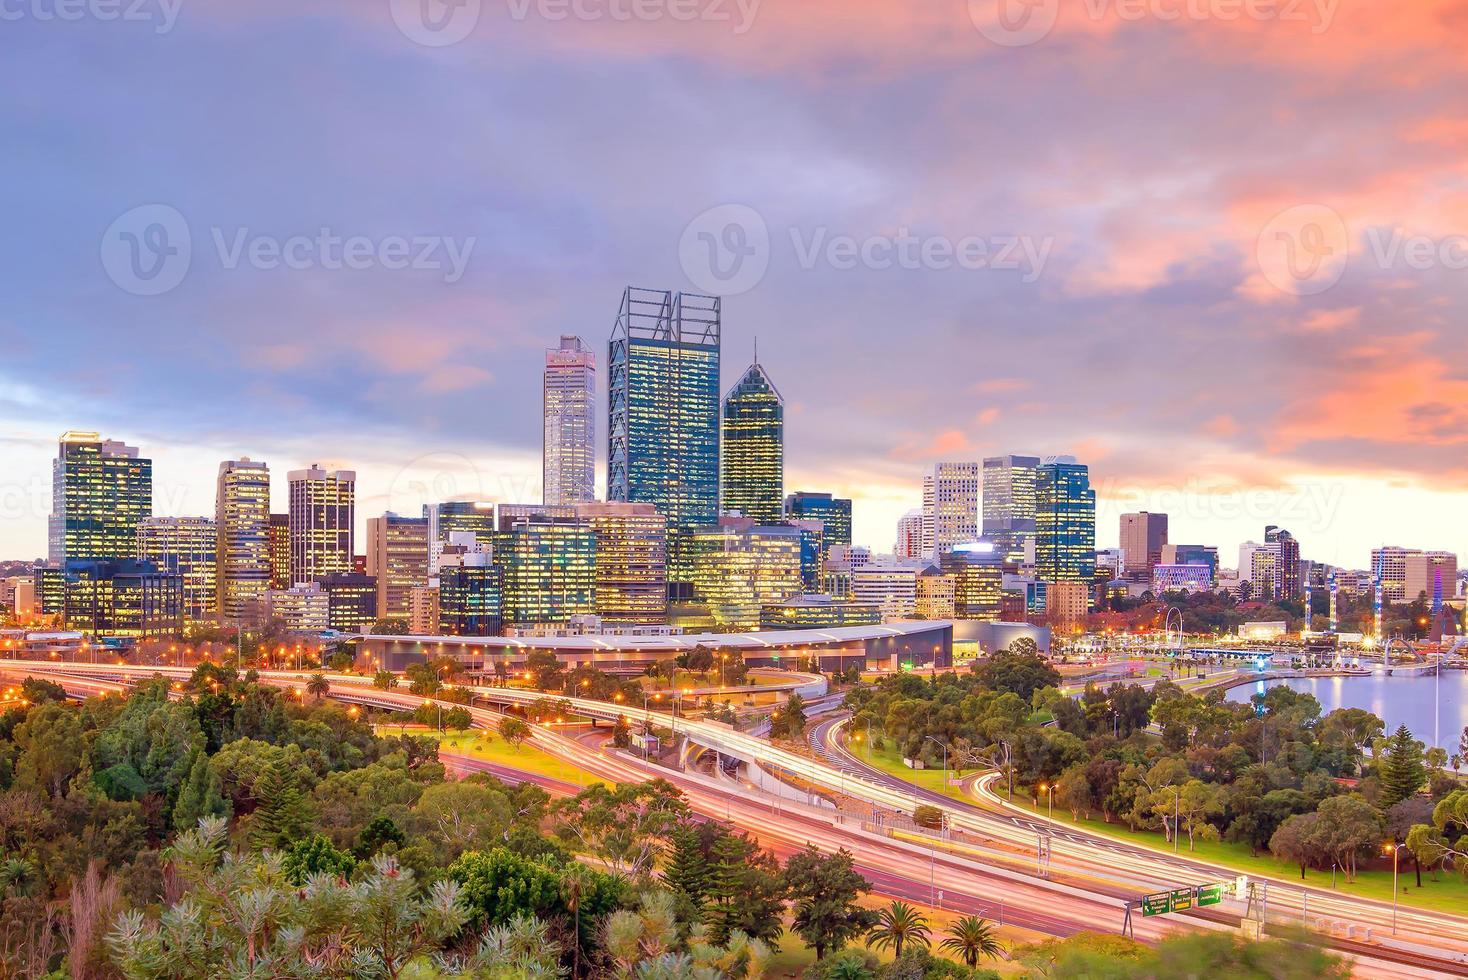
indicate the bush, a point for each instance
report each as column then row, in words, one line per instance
column 929, row 816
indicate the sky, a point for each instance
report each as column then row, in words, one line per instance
column 1213, row 248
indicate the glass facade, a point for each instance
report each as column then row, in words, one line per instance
column 185, row 546
column 242, row 521
column 738, row 567
column 1009, row 504
column 280, row 551
column 1065, row 521
column 569, row 404
column 548, row 566
column 100, row 491
column 978, row 580
column 631, row 562
column 131, row 599
column 663, row 401
column 322, row 515
column 754, row 449
column 351, row 601
column 470, row 601
column 833, row 512
column 817, row 612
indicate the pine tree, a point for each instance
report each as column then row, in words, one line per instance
column 283, row 815
column 726, row 885
column 200, row 795
column 1402, row 769
column 687, row 872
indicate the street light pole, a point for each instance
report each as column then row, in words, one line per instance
column 929, row 738
column 1396, row 852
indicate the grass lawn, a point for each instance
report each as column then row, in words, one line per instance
column 526, row 757
column 888, row 760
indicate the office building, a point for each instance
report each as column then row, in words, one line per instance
column 936, row 594
column 1009, row 506
column 1433, row 574
column 242, row 521
column 812, row 550
column 754, row 449
column 978, row 574
column 1191, row 554
column 815, row 612
column 423, row 610
column 322, row 514
column 187, row 547
column 101, row 490
column 1065, row 521
column 889, row 586
column 1181, row 578
column 1389, row 567
column 458, row 517
column 126, row 599
column 547, row 561
column 569, row 403
column 631, row 571
column 1143, row 536
column 1291, row 578
column 1067, row 602
column 833, row 512
column 397, row 556
column 909, row 546
column 952, row 500
column 663, row 395
column 351, row 601
column 471, row 598
column 280, row 551
column 304, row 608
column 738, row 566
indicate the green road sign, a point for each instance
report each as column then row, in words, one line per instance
column 1209, row 895
column 1182, row 899
column 1159, row 904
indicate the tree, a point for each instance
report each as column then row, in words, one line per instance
column 284, row 813
column 1018, row 672
column 545, row 669
column 1347, row 825
column 318, row 686
column 823, row 890
column 201, row 795
column 51, row 748
column 1294, row 841
column 1073, row 791
column 687, row 873
column 744, row 891
column 624, row 827
column 315, row 855
column 379, row 832
column 899, row 925
column 384, row 680
column 972, row 938
column 789, row 721
column 1402, row 768
column 461, row 816
column 514, row 731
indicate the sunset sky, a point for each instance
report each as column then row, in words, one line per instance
column 1250, row 308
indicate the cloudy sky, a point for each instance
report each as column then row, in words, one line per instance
column 1212, row 247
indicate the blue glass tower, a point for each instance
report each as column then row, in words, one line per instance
column 1065, row 521
column 663, row 400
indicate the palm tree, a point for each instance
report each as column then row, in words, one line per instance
column 898, row 925
column 318, row 686
column 971, row 938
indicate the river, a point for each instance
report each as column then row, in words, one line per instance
column 1397, row 700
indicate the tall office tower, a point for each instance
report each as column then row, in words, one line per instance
column 754, row 448
column 663, row 396
column 1142, row 538
column 1065, row 521
column 188, row 547
column 834, row 513
column 1389, row 567
column 397, row 556
column 547, row 560
column 631, row 562
column 100, row 491
column 954, row 506
column 1009, row 505
column 242, row 520
column 457, row 517
column 1291, row 580
column 889, row 586
column 978, row 572
column 280, row 551
column 1430, row 573
column 739, row 565
column 926, row 537
column 470, row 598
column 569, row 401
column 909, row 536
column 322, row 511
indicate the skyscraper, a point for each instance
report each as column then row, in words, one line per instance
column 754, row 448
column 547, row 559
column 1065, row 521
column 100, row 491
column 1142, row 537
column 280, row 551
column 834, row 513
column 397, row 556
column 322, row 511
column 188, row 547
column 242, row 521
column 1009, row 505
column 663, row 399
column 631, row 562
column 954, row 506
column 739, row 565
column 910, row 535
column 569, row 402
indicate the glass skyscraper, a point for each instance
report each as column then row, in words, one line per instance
column 569, row 403
column 547, row 560
column 1009, row 505
column 323, row 533
column 754, row 448
column 187, row 546
column 1065, row 521
column 663, row 400
column 242, row 520
column 833, row 512
column 101, row 491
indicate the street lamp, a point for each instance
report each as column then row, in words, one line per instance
column 929, row 738
column 1049, row 790
column 1395, row 852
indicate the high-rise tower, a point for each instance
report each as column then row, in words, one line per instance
column 322, row 511
column 569, row 402
column 754, row 448
column 1065, row 521
column 100, row 491
column 242, row 522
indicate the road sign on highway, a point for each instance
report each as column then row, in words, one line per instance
column 1209, row 895
column 1182, row 899
column 1158, row 904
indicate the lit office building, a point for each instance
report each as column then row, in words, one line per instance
column 1065, row 521
column 909, row 544
column 1433, row 574
column 129, row 599
column 242, row 521
column 936, row 594
column 1191, row 554
column 1291, row 581
column 812, row 548
column 100, row 491
column 1181, row 578
column 569, row 402
column 423, row 610
column 816, row 612
column 754, row 449
column 186, row 546
column 890, row 587
column 1389, row 567
column 397, row 556
column 280, row 551
column 471, row 599
column 1143, row 536
column 547, row 560
column 739, row 566
column 351, row 601
column 1009, row 506
column 322, row 508
column 1067, row 602
column 834, row 513
column 457, row 517
column 663, row 439
column 952, row 503
column 304, row 608
column 631, row 562
column 978, row 573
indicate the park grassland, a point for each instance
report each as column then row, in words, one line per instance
column 495, row 750
column 1448, row 893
